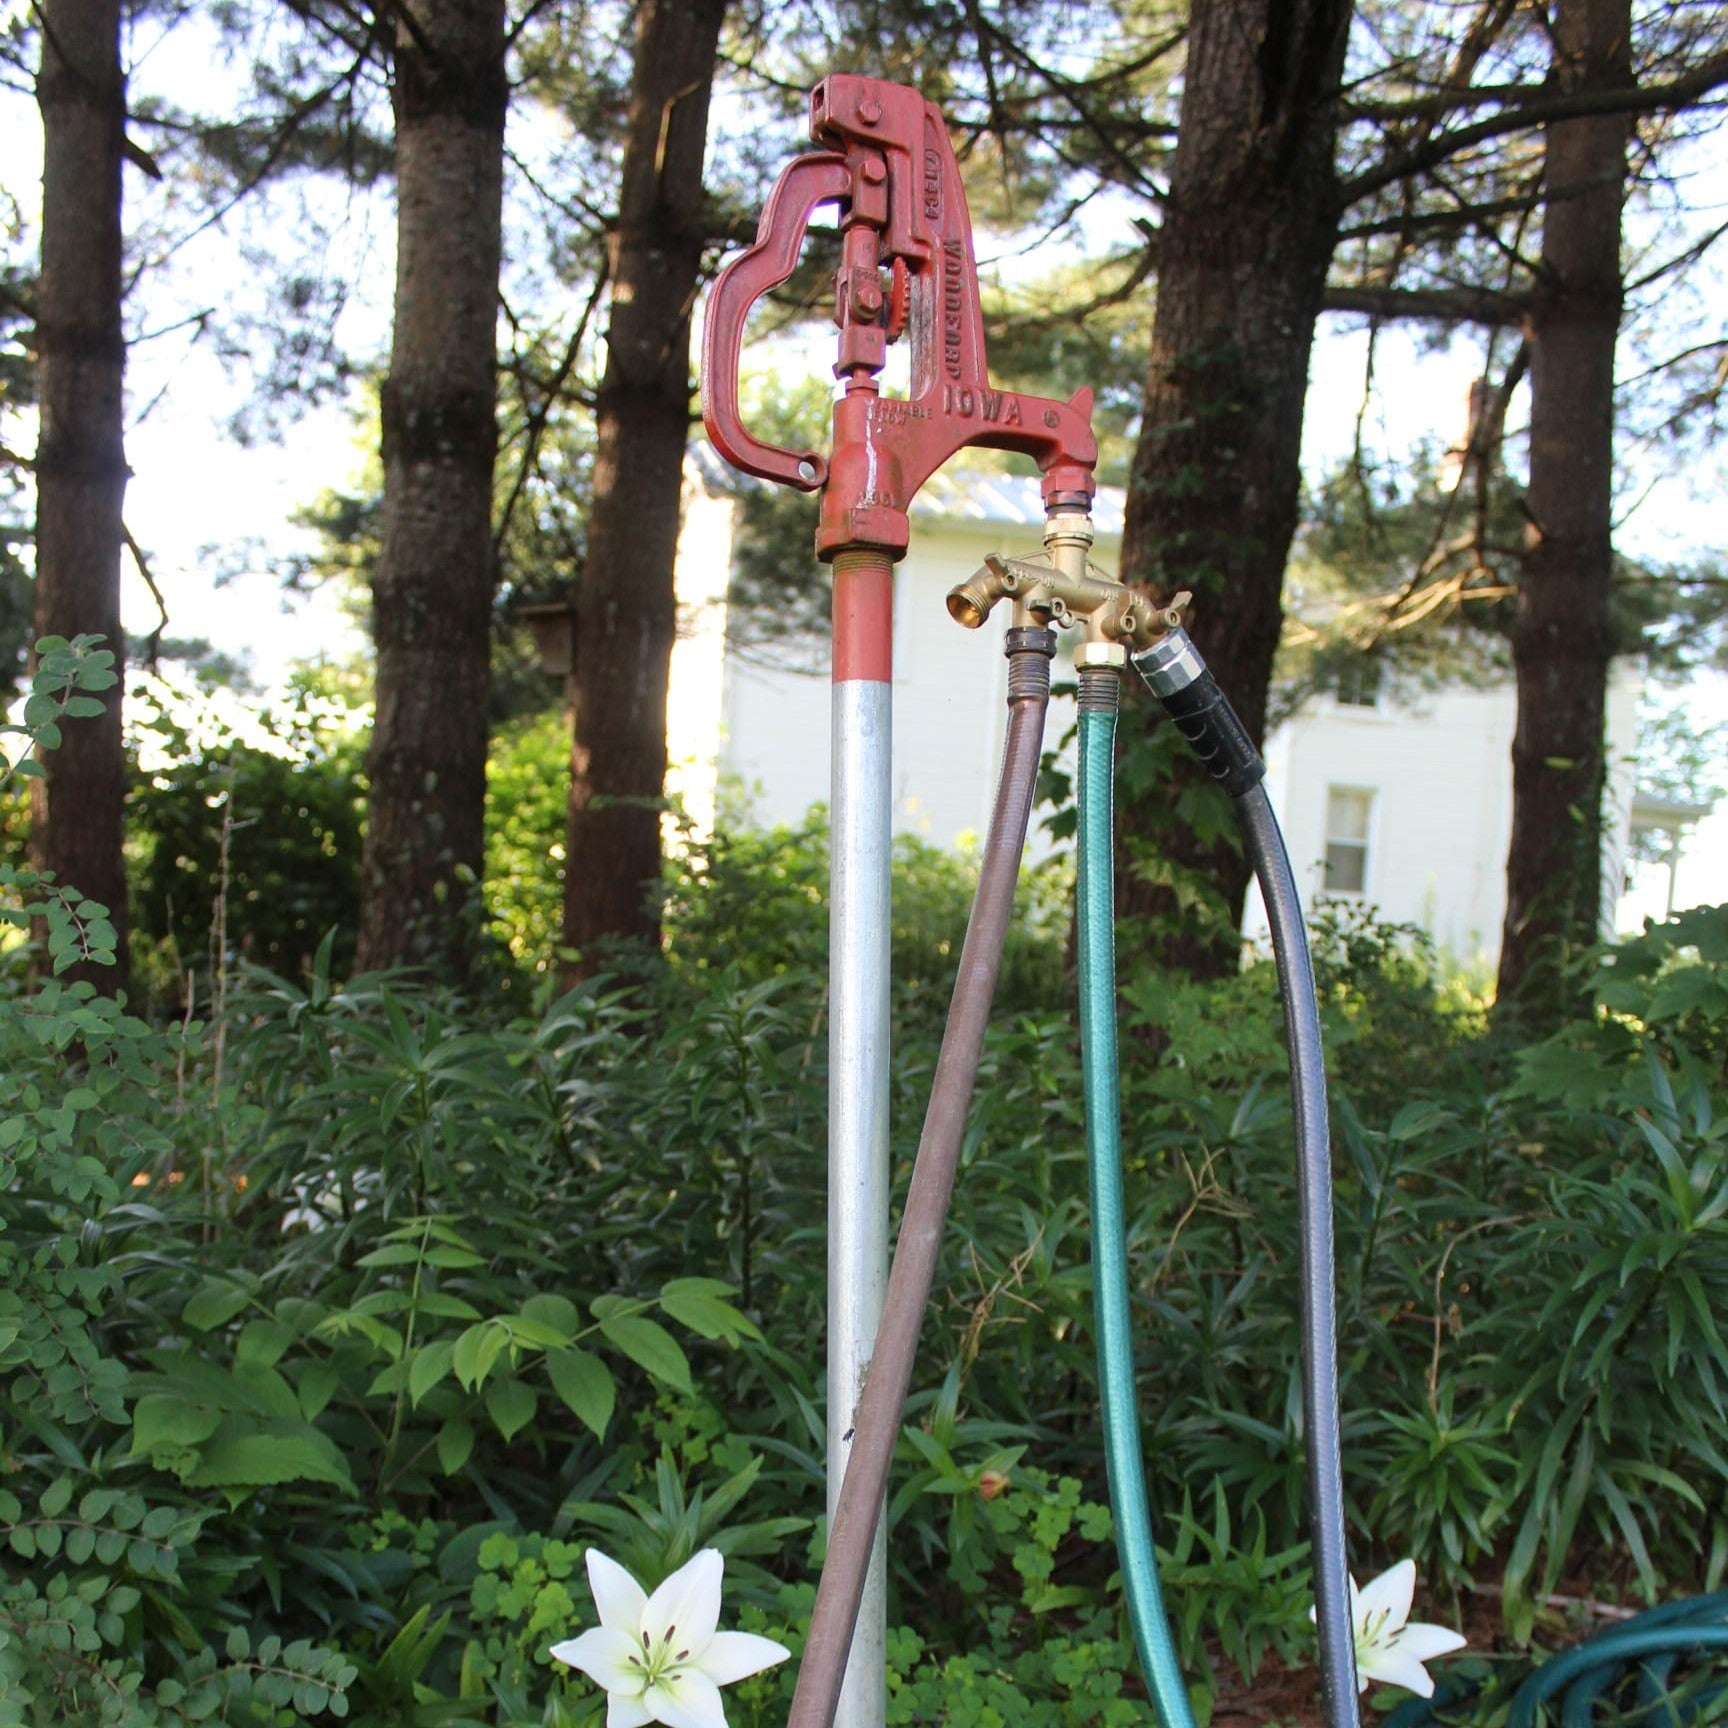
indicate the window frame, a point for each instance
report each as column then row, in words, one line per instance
column 1364, row 846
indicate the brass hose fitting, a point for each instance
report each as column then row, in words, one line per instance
column 1063, row 587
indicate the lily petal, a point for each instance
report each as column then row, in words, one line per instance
column 1425, row 1642
column 686, row 1698
column 687, row 1606
column 737, row 1655
column 622, row 1712
column 1390, row 1594
column 1396, row 1668
column 616, row 1594
column 611, row 1658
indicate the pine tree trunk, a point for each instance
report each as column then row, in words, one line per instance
column 433, row 589
column 77, row 808
column 625, row 613
column 1247, row 236
column 1561, row 637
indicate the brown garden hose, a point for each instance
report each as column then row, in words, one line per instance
column 876, row 1425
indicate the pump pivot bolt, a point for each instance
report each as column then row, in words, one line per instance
column 869, row 110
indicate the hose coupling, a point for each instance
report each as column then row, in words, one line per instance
column 1030, row 649
column 1100, row 690
column 1175, row 673
column 1171, row 665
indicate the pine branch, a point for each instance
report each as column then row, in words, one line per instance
column 1708, row 75
column 539, row 417
column 1441, row 102
column 1490, row 306
column 1460, row 217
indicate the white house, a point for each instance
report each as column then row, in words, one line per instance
column 1407, row 805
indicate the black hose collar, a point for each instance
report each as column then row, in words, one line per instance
column 1178, row 677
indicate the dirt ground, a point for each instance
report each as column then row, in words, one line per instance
column 1281, row 1697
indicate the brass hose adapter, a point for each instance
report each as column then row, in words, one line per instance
column 1063, row 588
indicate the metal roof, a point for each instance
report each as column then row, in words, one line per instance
column 965, row 495
column 955, row 495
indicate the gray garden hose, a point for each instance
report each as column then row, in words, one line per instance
column 1178, row 677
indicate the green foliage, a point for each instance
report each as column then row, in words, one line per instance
column 243, row 827
column 1402, row 571
column 756, row 901
column 76, row 929
column 1677, row 760
column 527, row 779
column 17, row 388
column 334, row 1332
column 778, row 602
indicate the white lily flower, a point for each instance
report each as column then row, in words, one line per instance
column 1389, row 1645
column 659, row 1657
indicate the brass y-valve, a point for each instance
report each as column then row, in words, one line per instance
column 1064, row 589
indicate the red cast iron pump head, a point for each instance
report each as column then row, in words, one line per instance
column 906, row 268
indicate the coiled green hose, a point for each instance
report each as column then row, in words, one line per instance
column 1097, row 950
column 1582, row 1679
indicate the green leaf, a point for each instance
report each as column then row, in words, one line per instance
column 511, row 1405
column 649, row 1345
column 445, row 1307
column 317, row 1386
column 392, row 1254
column 214, row 1301
column 585, row 1383
column 454, row 1259
column 262, row 1343
column 455, row 1442
column 430, row 1365
column 535, row 1332
column 168, row 1419
column 236, row 1459
column 705, row 1314
column 476, row 1350
column 558, row 1312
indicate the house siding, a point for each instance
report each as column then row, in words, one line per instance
column 1437, row 763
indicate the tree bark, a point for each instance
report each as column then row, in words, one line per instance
column 433, row 588
column 625, row 610
column 1561, row 637
column 77, row 808
column 1247, row 236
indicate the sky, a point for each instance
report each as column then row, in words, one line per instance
column 202, row 500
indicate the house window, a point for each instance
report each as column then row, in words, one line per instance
column 1359, row 684
column 1348, row 809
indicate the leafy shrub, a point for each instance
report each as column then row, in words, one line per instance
column 248, row 832
column 527, row 779
column 333, row 1331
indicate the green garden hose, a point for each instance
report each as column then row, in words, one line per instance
column 1099, row 693
column 1593, row 1676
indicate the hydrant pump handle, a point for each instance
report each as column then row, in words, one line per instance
column 907, row 267
column 809, row 180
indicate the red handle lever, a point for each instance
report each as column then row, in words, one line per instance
column 889, row 162
column 806, row 182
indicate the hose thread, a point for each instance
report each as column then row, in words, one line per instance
column 1100, row 690
column 1030, row 649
